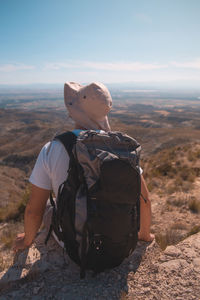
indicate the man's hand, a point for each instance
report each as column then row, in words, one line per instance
column 19, row 243
column 147, row 237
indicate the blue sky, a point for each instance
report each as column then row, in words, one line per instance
column 52, row 41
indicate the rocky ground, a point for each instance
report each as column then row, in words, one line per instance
column 47, row 273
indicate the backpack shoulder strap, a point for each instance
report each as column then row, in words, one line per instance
column 68, row 139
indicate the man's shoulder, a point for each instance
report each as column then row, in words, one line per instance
column 53, row 148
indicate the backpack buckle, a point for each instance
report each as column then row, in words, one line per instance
column 97, row 241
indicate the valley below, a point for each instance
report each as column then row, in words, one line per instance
column 168, row 131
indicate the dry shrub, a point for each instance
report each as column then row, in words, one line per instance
column 191, row 157
column 194, row 205
column 176, row 233
column 194, row 155
column 7, row 238
column 171, row 189
column 179, row 185
column 165, row 208
column 9, row 233
column 186, row 186
column 173, row 168
column 163, row 169
column 15, row 210
column 152, row 184
column 175, row 202
column 179, row 226
column 178, row 200
column 187, row 174
column 172, row 236
column 4, row 263
column 194, row 230
column 178, row 163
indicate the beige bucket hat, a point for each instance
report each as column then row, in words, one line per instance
column 88, row 105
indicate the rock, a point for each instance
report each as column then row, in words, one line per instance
column 173, row 265
column 172, row 251
column 147, row 290
column 28, row 257
column 196, row 264
column 190, row 252
column 196, row 244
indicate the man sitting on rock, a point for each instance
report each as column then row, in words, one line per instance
column 88, row 106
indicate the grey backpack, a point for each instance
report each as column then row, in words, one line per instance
column 96, row 213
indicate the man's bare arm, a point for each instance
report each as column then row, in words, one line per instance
column 32, row 218
column 145, row 213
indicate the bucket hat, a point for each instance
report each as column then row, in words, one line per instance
column 88, row 105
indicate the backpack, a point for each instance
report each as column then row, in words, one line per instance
column 97, row 210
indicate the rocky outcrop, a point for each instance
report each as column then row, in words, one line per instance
column 174, row 274
column 47, row 273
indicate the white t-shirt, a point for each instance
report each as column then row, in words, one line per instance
column 51, row 167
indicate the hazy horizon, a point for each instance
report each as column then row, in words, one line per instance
column 131, row 86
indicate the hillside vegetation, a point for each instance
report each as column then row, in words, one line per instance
column 170, row 160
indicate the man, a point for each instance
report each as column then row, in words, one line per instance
column 88, row 106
